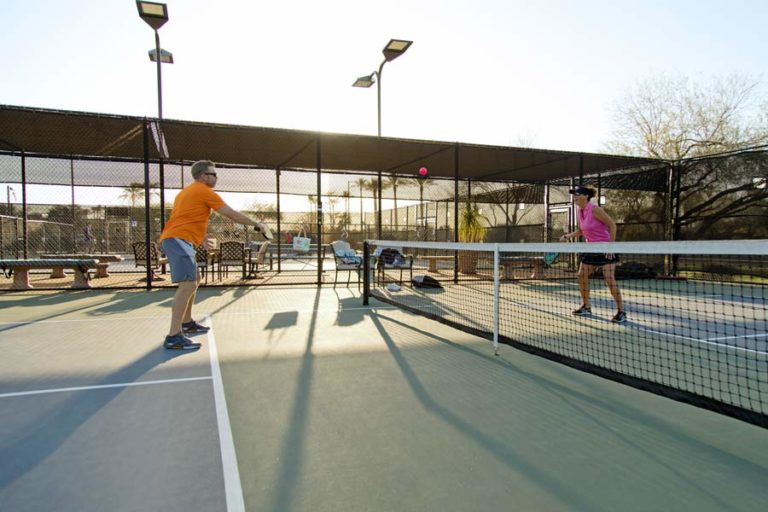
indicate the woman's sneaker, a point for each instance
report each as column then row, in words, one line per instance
column 193, row 327
column 620, row 317
column 583, row 311
column 180, row 342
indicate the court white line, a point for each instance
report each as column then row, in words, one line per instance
column 740, row 337
column 165, row 317
column 636, row 327
column 102, row 386
column 315, row 310
column 689, row 338
column 232, row 487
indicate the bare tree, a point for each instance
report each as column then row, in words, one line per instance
column 730, row 189
column 674, row 118
column 492, row 194
column 267, row 211
column 683, row 122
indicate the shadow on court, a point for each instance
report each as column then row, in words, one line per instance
column 578, row 404
column 293, row 444
column 33, row 441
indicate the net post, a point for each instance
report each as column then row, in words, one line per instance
column 366, row 270
column 496, row 294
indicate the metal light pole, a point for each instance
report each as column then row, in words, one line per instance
column 165, row 58
column 394, row 49
column 155, row 15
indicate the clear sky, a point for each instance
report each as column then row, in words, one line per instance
column 538, row 73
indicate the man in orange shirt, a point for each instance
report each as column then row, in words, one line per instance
column 184, row 231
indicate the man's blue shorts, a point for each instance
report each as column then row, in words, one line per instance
column 181, row 258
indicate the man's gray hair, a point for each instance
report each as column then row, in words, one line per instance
column 200, row 167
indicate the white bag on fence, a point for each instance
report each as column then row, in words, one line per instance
column 301, row 243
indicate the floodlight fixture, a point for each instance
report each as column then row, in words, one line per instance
column 395, row 48
column 365, row 81
column 166, row 57
column 154, row 13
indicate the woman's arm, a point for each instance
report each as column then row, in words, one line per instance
column 575, row 234
column 606, row 219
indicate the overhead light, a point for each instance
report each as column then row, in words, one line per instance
column 166, row 57
column 395, row 48
column 155, row 14
column 365, row 81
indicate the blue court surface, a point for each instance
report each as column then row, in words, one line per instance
column 303, row 399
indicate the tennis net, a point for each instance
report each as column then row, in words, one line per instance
column 695, row 327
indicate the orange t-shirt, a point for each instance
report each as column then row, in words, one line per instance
column 191, row 210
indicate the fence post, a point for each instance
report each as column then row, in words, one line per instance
column 147, row 213
column 24, row 228
column 366, row 270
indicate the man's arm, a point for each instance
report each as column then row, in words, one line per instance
column 238, row 217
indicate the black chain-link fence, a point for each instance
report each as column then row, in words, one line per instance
column 60, row 205
column 722, row 197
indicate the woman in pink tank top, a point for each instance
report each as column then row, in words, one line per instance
column 595, row 226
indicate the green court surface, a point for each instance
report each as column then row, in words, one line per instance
column 303, row 399
column 708, row 339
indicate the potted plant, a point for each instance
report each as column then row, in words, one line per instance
column 471, row 230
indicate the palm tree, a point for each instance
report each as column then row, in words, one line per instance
column 312, row 216
column 331, row 200
column 393, row 182
column 422, row 183
column 361, row 183
column 373, row 186
column 346, row 196
column 135, row 192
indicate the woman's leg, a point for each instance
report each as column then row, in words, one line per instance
column 584, row 273
column 609, row 274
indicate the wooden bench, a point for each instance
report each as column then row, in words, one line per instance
column 510, row 263
column 432, row 261
column 101, row 268
column 20, row 270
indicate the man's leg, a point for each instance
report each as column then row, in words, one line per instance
column 182, row 304
column 187, row 317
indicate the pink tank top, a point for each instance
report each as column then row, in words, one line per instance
column 592, row 229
